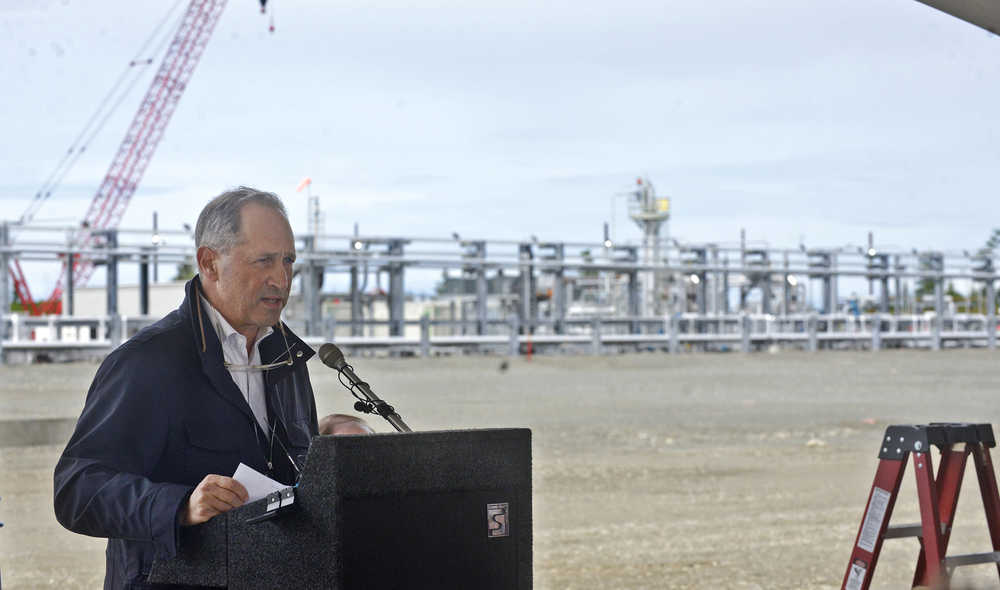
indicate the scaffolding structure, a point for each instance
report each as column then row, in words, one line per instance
column 564, row 295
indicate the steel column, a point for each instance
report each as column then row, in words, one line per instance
column 357, row 329
column 306, row 282
column 716, row 283
column 701, row 296
column 111, row 262
column 69, row 306
column 527, row 296
column 899, row 268
column 725, row 286
column 330, row 326
column 4, row 284
column 5, row 287
column 557, row 304
column 745, row 327
column 312, row 277
column 396, row 294
column 822, row 262
column 143, row 284
column 834, row 296
column 877, row 332
column 765, row 288
column 786, row 289
column 812, row 327
column 632, row 255
column 482, row 294
column 633, row 299
column 937, row 261
column 991, row 314
column 884, row 283
column 156, row 258
column 425, row 336
column 829, row 300
column 674, row 345
column 986, row 267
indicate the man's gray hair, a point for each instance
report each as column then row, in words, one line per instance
column 218, row 224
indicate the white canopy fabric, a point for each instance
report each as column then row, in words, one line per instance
column 982, row 13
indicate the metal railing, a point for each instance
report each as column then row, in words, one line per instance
column 78, row 337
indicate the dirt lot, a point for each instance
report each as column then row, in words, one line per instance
column 651, row 471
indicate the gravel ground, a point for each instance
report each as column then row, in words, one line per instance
column 651, row 471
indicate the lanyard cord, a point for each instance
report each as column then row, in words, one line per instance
column 279, row 411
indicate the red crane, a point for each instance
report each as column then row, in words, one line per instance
column 136, row 149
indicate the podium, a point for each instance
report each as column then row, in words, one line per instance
column 449, row 509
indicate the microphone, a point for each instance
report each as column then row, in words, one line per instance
column 331, row 356
column 371, row 404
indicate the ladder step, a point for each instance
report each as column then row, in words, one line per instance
column 899, row 531
column 971, row 559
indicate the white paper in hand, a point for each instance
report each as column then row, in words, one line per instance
column 257, row 484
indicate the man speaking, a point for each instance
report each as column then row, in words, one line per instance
column 174, row 410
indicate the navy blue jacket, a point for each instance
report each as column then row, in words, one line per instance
column 162, row 413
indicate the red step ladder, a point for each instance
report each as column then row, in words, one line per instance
column 938, row 498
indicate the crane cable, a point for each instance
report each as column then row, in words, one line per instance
column 90, row 130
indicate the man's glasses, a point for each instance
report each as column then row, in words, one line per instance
column 285, row 363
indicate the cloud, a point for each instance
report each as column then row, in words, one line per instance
column 506, row 119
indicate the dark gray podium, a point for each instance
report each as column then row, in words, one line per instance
column 417, row 510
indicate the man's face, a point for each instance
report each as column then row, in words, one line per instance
column 250, row 282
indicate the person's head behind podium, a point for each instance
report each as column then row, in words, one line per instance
column 246, row 249
column 344, row 424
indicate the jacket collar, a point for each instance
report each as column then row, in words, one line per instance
column 280, row 346
column 209, row 349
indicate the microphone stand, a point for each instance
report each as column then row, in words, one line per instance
column 372, row 404
column 368, row 402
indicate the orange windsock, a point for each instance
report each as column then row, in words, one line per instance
column 305, row 182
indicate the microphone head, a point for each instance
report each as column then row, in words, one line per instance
column 331, row 356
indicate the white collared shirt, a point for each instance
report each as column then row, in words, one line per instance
column 234, row 352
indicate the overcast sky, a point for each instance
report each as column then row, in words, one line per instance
column 798, row 120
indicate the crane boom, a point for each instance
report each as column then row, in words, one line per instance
column 144, row 134
column 140, row 142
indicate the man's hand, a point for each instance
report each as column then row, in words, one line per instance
column 214, row 495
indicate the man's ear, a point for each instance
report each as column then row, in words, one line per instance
column 208, row 263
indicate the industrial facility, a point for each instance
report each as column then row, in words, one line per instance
column 532, row 296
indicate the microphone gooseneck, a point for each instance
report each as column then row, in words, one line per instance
column 368, row 402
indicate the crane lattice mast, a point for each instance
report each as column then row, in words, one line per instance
column 137, row 148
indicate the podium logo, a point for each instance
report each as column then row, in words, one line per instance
column 496, row 520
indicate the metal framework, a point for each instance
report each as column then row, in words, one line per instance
column 533, row 291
